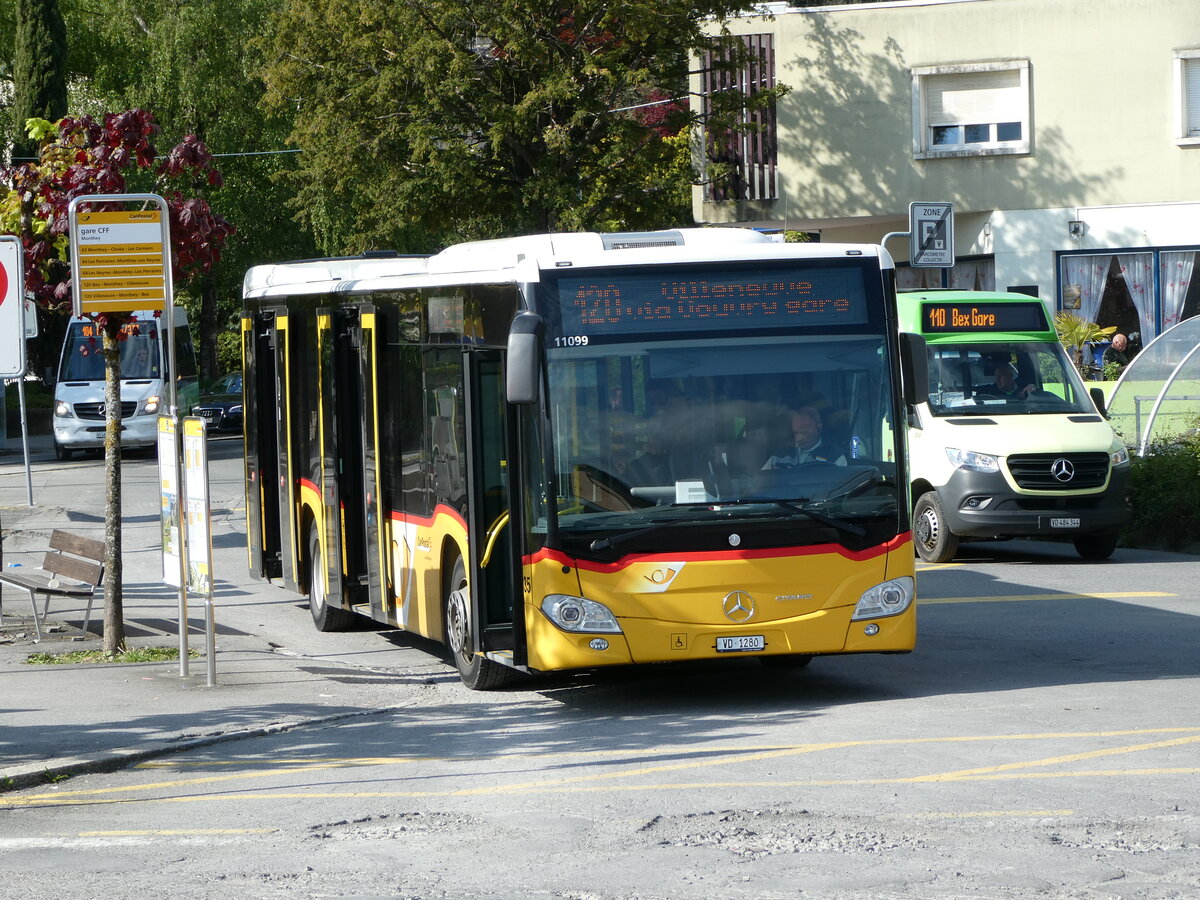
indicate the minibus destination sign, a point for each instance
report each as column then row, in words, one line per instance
column 954, row 318
column 633, row 303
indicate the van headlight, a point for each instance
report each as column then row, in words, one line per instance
column 969, row 459
column 1119, row 457
column 577, row 614
column 150, row 406
column 62, row 409
column 888, row 599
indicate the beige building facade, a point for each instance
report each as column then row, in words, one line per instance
column 1065, row 132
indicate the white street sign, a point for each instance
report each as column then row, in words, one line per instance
column 12, row 308
column 931, row 235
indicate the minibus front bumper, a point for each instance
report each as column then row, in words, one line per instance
column 985, row 505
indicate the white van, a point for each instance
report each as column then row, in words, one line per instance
column 1010, row 443
column 78, row 420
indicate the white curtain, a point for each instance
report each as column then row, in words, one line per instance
column 973, row 275
column 1138, row 271
column 913, row 278
column 1174, row 279
column 1091, row 274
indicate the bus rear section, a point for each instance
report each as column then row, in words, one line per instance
column 79, row 408
column 1009, row 443
column 561, row 453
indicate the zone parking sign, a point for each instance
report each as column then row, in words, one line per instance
column 931, row 235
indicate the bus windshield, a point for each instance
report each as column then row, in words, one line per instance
column 649, row 433
column 83, row 360
column 1004, row 379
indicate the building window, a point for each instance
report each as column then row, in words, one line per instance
column 746, row 153
column 1187, row 84
column 976, row 109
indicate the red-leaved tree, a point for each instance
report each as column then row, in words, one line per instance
column 115, row 155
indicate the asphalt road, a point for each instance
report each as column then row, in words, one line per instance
column 1042, row 741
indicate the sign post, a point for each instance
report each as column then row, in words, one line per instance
column 12, row 333
column 172, row 528
column 197, row 545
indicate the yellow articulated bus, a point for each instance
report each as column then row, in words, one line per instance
column 570, row 451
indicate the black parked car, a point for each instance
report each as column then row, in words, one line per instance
column 221, row 405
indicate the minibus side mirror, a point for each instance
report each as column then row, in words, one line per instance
column 524, row 372
column 1099, row 400
column 914, row 368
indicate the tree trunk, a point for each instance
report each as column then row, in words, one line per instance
column 209, row 327
column 114, row 614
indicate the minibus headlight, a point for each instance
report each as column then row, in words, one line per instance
column 975, row 462
column 577, row 614
column 1119, row 457
column 888, row 599
column 150, row 406
column 62, row 409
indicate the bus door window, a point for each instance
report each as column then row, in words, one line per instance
column 347, row 415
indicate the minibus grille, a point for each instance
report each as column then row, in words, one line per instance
column 1059, row 471
column 96, row 410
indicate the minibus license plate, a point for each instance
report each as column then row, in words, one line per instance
column 741, row 643
column 1064, row 523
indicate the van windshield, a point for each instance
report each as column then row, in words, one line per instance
column 1004, row 379
column 83, row 360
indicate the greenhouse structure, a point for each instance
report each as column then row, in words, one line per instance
column 1157, row 398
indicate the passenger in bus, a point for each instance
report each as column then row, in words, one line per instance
column 808, row 445
column 1004, row 384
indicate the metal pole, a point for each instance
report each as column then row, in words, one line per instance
column 25, row 438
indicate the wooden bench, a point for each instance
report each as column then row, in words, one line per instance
column 72, row 567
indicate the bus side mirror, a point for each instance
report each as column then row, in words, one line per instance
column 1099, row 399
column 524, row 372
column 914, row 368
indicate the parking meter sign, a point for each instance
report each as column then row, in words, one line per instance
column 931, row 235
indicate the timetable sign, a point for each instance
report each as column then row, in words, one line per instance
column 120, row 261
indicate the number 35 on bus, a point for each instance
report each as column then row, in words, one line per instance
column 570, row 451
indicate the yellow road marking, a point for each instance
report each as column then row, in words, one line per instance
column 174, row 832
column 1115, row 595
column 714, row 756
column 989, row 813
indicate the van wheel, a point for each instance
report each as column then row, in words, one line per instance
column 477, row 672
column 61, row 452
column 325, row 617
column 1097, row 546
column 935, row 542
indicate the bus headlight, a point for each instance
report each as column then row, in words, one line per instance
column 577, row 614
column 888, row 599
column 969, row 459
column 150, row 406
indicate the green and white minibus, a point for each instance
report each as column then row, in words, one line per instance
column 1009, row 443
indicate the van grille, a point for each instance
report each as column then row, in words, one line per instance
column 96, row 410
column 1036, row 471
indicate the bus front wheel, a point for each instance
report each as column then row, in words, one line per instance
column 936, row 543
column 477, row 672
column 325, row 617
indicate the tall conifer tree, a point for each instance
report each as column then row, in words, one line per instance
column 39, row 71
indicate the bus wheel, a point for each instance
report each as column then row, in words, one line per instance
column 477, row 672
column 936, row 543
column 325, row 617
column 1097, row 546
column 61, row 452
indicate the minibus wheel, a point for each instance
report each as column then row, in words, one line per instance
column 61, row 452
column 477, row 672
column 1097, row 546
column 935, row 542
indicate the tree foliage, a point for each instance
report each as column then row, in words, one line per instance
column 39, row 70
column 426, row 121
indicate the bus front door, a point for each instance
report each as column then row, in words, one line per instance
column 262, row 409
column 495, row 568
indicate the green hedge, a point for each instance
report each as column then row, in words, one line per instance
column 1165, row 495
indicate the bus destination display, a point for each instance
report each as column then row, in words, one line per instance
column 947, row 318
column 633, row 303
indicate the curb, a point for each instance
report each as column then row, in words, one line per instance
column 35, row 774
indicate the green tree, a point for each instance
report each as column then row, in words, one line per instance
column 428, row 121
column 145, row 53
column 39, row 70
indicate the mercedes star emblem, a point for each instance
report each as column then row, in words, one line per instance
column 1062, row 469
column 738, row 606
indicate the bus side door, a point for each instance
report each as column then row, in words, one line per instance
column 491, row 486
column 263, row 418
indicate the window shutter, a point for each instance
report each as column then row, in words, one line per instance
column 974, row 98
column 1191, row 93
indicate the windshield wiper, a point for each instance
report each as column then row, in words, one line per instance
column 839, row 524
column 627, row 536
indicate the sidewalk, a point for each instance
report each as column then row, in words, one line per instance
column 65, row 719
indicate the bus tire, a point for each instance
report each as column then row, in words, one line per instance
column 325, row 617
column 61, row 452
column 1097, row 546
column 934, row 540
column 477, row 672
